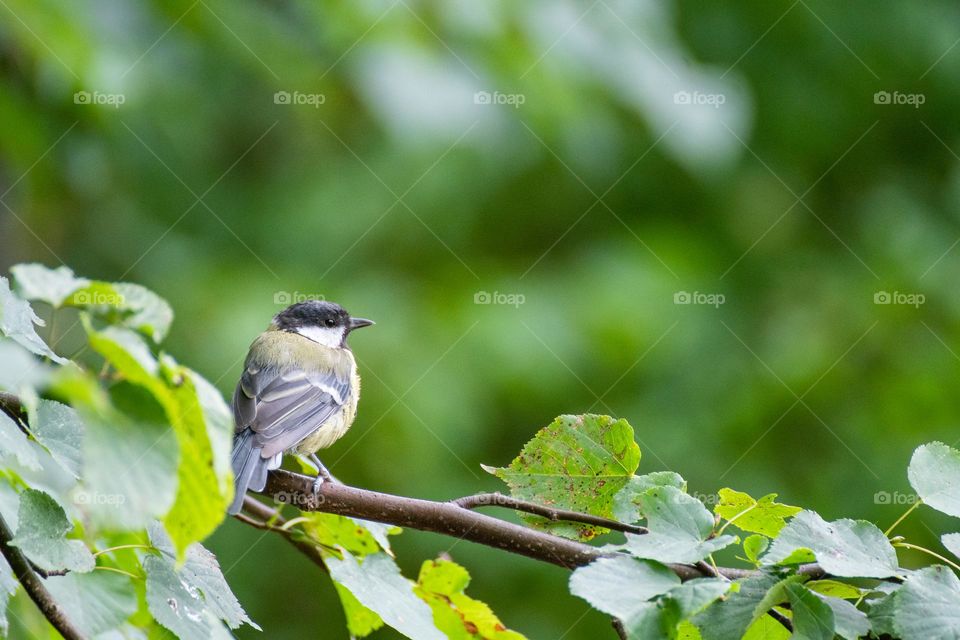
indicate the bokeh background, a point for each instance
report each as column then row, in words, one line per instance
column 523, row 195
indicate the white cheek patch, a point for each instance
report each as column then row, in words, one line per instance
column 327, row 336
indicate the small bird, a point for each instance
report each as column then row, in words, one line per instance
column 298, row 392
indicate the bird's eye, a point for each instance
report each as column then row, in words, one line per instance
column 330, row 322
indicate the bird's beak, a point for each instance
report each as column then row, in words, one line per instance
column 356, row 323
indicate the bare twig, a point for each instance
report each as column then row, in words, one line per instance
column 500, row 500
column 782, row 619
column 33, row 585
column 265, row 516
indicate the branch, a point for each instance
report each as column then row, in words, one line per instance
column 500, row 500
column 34, row 586
column 452, row 519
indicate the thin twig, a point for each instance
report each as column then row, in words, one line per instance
column 500, row 500
column 34, row 586
column 782, row 619
column 271, row 520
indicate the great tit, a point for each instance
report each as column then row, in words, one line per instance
column 298, row 392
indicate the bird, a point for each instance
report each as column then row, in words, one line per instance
column 298, row 393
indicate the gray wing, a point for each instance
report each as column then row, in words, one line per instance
column 283, row 408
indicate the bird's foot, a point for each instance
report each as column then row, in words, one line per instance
column 323, row 475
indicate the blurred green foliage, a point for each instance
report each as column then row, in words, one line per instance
column 592, row 204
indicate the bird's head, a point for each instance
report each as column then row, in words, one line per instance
column 325, row 323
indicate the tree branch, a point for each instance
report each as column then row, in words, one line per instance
column 452, row 519
column 34, row 586
column 499, row 500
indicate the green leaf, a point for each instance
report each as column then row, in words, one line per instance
column 333, row 531
column 621, row 585
column 201, row 573
column 127, row 305
column 834, row 588
column 577, row 463
column 361, row 621
column 850, row 622
column 127, row 434
column 679, row 527
column 754, row 546
column 175, row 606
column 8, row 587
column 42, row 531
column 377, row 584
column 934, row 473
column 441, row 585
column 19, row 369
column 812, row 617
column 653, row 620
column 189, row 519
column 694, row 595
column 952, row 542
column 847, row 548
column 192, row 519
column 766, row 628
column 926, row 606
column 95, row 602
column 764, row 516
column 17, row 321
column 626, row 503
column 58, row 428
column 730, row 618
column 39, row 282
column 14, row 442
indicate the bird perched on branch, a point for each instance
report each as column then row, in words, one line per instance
column 298, row 392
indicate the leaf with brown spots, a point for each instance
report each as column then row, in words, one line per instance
column 577, row 463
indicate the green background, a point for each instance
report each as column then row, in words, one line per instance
column 582, row 200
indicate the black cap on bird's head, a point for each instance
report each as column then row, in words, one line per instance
column 319, row 320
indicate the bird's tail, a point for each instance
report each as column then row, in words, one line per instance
column 249, row 468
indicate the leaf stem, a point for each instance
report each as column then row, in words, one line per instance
column 115, row 570
column 122, row 546
column 916, row 547
column 903, row 517
column 730, row 521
